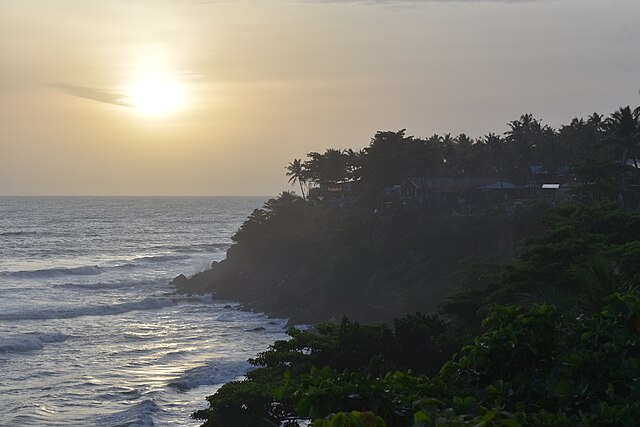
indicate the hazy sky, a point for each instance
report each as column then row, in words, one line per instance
column 216, row 97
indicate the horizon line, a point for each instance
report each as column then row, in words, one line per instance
column 137, row 195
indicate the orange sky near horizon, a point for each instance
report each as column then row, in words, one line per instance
column 216, row 97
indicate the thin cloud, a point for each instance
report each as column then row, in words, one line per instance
column 94, row 94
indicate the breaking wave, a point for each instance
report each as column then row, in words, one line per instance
column 29, row 342
column 218, row 371
column 91, row 270
column 54, row 272
column 140, row 415
column 111, row 285
column 161, row 258
column 198, row 247
column 96, row 310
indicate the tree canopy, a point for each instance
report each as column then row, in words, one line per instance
column 527, row 147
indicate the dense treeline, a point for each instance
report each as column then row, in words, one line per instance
column 309, row 261
column 596, row 152
column 314, row 263
column 587, row 253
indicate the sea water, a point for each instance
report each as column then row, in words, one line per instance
column 91, row 332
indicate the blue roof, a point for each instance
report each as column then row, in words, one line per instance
column 499, row 185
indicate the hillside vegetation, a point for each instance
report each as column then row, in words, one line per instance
column 354, row 250
column 556, row 343
column 316, row 263
column 533, row 305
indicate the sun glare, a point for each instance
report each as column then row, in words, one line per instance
column 155, row 95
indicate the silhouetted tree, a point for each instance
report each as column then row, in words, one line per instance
column 582, row 140
column 461, row 156
column 327, row 168
column 385, row 160
column 623, row 131
column 297, row 173
column 353, row 159
column 495, row 156
column 522, row 137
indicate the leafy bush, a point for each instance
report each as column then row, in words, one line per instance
column 537, row 366
column 351, row 356
column 585, row 368
column 566, row 356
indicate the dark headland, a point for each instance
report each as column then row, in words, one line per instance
column 486, row 282
column 313, row 264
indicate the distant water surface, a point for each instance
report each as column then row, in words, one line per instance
column 90, row 332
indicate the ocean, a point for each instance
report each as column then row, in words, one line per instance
column 91, row 332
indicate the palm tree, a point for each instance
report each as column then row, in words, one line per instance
column 495, row 156
column 353, row 163
column 522, row 138
column 623, row 128
column 297, row 173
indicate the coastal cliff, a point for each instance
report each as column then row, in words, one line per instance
column 314, row 263
column 534, row 329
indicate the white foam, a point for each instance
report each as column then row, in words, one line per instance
column 96, row 310
column 216, row 371
column 137, row 416
column 162, row 258
column 54, row 272
column 122, row 284
column 91, row 270
column 29, row 342
column 197, row 247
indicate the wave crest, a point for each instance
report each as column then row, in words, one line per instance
column 217, row 371
column 139, row 415
column 54, row 272
column 91, row 270
column 96, row 310
column 161, row 258
column 29, row 342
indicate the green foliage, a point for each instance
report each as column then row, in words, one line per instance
column 423, row 343
column 566, row 355
column 348, row 345
column 539, row 366
column 352, row 419
column 535, row 367
column 241, row 404
column 586, row 253
column 462, row 412
column 391, row 396
column 582, row 367
column 475, row 273
column 358, row 371
column 417, row 342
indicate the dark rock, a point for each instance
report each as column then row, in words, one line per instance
column 180, row 281
column 258, row 329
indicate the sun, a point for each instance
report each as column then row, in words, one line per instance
column 155, row 94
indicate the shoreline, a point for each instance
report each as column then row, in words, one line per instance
column 293, row 319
